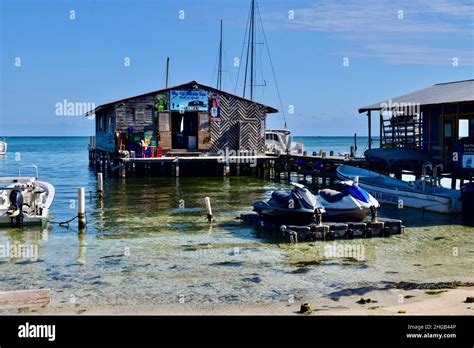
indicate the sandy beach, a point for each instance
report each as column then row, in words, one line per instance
column 379, row 302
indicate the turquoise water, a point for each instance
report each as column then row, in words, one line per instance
column 148, row 241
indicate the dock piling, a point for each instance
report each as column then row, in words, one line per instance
column 81, row 208
column 207, row 200
column 226, row 168
column 100, row 184
column 177, row 168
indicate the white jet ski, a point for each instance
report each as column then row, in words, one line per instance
column 352, row 204
column 25, row 200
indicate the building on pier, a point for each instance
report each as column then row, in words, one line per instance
column 190, row 118
column 436, row 122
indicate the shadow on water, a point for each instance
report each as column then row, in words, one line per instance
column 412, row 217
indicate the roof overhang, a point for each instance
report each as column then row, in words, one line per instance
column 192, row 84
column 441, row 93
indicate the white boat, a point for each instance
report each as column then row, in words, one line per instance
column 420, row 194
column 24, row 199
column 3, row 147
column 279, row 141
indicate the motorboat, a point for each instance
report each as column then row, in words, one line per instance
column 422, row 194
column 25, row 199
column 3, row 147
column 280, row 141
column 352, row 203
column 296, row 206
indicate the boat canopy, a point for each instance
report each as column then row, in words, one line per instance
column 395, row 155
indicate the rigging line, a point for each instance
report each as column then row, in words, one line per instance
column 241, row 55
column 215, row 66
column 252, row 51
column 271, row 64
column 228, row 68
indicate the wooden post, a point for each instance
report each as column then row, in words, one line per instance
column 355, row 144
column 381, row 128
column 100, row 184
column 207, row 200
column 406, row 131
column 81, row 208
column 369, row 120
column 226, row 168
column 429, row 132
column 167, row 71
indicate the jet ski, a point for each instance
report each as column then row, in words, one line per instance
column 352, row 203
column 296, row 206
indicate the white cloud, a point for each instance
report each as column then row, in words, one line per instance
column 437, row 30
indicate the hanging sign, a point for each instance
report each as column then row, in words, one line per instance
column 189, row 100
column 214, row 108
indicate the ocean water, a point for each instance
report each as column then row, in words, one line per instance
column 148, row 241
column 340, row 145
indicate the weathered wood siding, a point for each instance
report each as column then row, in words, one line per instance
column 241, row 127
column 105, row 130
column 136, row 113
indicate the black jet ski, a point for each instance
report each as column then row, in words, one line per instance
column 296, row 206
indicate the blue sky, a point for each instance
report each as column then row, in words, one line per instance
column 393, row 47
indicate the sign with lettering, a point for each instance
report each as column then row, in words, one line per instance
column 189, row 100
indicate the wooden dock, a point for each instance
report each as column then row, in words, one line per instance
column 319, row 168
column 327, row 231
column 262, row 166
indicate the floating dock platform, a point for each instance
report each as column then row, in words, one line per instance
column 327, row 231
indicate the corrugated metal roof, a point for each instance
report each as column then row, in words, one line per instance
column 184, row 85
column 450, row 92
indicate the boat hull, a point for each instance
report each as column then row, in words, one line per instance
column 41, row 204
column 398, row 192
column 37, row 220
column 345, row 215
column 285, row 216
column 414, row 200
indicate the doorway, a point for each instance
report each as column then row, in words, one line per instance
column 184, row 129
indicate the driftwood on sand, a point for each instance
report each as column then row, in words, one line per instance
column 25, row 298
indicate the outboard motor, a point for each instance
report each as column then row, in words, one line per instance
column 15, row 211
column 467, row 197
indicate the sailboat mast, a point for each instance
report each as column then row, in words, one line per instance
column 252, row 46
column 219, row 71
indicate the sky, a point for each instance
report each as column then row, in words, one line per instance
column 330, row 57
